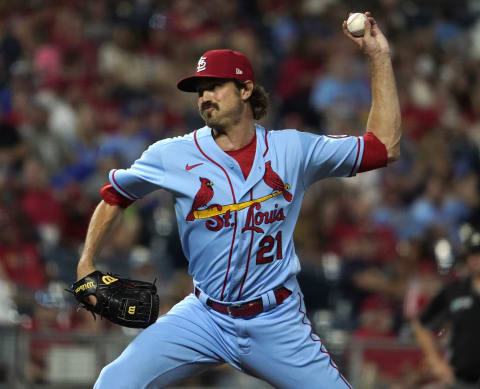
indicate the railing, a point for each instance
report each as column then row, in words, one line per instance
column 30, row 360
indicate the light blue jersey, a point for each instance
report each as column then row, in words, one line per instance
column 237, row 233
column 237, row 236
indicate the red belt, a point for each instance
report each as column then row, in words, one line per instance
column 249, row 308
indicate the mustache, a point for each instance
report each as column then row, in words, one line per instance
column 207, row 105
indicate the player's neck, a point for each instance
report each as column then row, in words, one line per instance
column 235, row 137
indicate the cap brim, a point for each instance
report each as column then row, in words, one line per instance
column 189, row 84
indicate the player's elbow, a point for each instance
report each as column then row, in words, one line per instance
column 393, row 145
column 393, row 153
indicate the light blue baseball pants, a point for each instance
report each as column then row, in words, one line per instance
column 277, row 346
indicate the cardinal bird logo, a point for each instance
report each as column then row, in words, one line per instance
column 274, row 181
column 203, row 196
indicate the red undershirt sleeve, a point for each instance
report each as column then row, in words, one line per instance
column 375, row 153
column 112, row 197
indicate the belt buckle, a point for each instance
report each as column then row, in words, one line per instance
column 232, row 306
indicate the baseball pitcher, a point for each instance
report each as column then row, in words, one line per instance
column 238, row 190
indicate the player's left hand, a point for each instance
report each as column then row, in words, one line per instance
column 126, row 302
column 373, row 42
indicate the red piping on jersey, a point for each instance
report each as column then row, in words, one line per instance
column 249, row 255
column 356, row 158
column 116, row 183
column 319, row 340
column 266, row 142
column 234, row 200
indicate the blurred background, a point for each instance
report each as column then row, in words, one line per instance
column 85, row 86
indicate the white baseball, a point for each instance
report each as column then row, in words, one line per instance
column 356, row 24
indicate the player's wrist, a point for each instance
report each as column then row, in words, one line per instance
column 84, row 268
column 380, row 56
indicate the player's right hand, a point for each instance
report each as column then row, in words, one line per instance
column 373, row 42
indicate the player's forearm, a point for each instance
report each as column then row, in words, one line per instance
column 426, row 342
column 99, row 228
column 384, row 119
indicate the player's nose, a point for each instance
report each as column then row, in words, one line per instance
column 206, row 95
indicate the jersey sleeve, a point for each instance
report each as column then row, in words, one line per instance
column 146, row 175
column 436, row 310
column 328, row 156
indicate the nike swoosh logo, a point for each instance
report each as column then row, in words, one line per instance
column 189, row 167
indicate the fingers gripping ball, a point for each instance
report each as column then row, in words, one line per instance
column 129, row 303
column 356, row 24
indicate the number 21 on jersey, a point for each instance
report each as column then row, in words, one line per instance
column 270, row 247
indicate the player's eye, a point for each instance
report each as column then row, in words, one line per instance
column 209, row 87
column 202, row 90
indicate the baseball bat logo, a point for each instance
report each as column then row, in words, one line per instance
column 205, row 194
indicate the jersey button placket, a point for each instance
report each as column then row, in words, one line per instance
column 243, row 248
column 236, row 258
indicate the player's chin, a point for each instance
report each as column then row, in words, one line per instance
column 211, row 121
column 208, row 121
column 207, row 116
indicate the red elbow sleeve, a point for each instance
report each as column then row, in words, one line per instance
column 112, row 197
column 375, row 153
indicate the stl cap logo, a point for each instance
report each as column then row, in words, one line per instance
column 238, row 71
column 202, row 64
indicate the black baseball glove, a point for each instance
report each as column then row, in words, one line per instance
column 129, row 303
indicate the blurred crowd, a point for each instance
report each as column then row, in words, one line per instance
column 86, row 86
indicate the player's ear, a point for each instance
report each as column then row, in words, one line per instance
column 246, row 90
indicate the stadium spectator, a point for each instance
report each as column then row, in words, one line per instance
column 84, row 84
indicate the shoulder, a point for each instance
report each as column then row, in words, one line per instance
column 175, row 143
column 282, row 136
column 282, row 133
column 306, row 139
column 283, row 140
column 298, row 134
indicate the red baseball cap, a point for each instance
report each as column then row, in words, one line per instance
column 219, row 64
